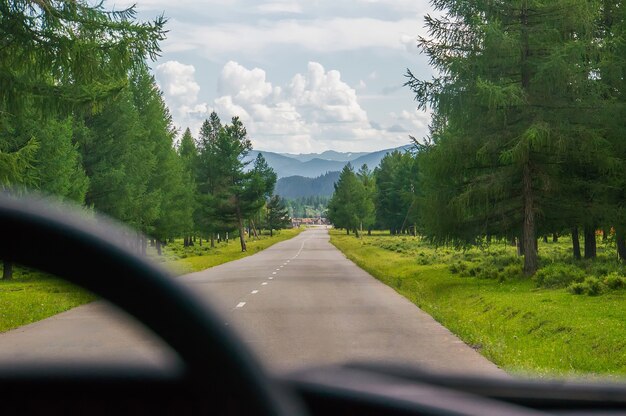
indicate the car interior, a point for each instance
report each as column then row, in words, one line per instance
column 217, row 374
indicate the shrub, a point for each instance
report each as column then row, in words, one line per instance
column 578, row 288
column 559, row 275
column 594, row 286
column 614, row 281
column 512, row 271
column 591, row 286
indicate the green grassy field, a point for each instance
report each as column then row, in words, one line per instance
column 518, row 323
column 32, row 296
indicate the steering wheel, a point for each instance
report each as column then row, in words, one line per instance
column 90, row 253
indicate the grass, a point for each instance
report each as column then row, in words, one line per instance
column 182, row 260
column 516, row 322
column 32, row 295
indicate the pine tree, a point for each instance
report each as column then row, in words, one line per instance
column 277, row 214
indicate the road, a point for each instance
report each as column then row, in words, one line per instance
column 297, row 303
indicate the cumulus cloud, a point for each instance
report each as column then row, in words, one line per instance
column 180, row 90
column 178, row 81
column 315, row 110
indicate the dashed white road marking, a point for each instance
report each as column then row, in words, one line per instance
column 241, row 304
column 271, row 278
column 273, row 272
column 254, row 292
column 264, row 284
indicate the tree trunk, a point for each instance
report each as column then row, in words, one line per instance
column 144, row 246
column 555, row 238
column 212, row 240
column 271, row 232
column 256, row 235
column 520, row 246
column 531, row 262
column 620, row 239
column 200, row 238
column 576, row 243
column 545, row 238
column 7, row 271
column 158, row 247
column 347, row 231
column 590, row 242
column 605, row 235
column 242, row 238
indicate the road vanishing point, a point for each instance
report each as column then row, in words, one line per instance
column 299, row 303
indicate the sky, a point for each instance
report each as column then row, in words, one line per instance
column 303, row 75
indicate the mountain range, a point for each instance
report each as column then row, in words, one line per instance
column 313, row 165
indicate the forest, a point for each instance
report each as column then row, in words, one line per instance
column 527, row 134
column 82, row 119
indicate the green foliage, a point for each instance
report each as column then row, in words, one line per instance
column 277, row 214
column 55, row 54
column 559, row 275
column 517, row 144
column 395, row 191
column 351, row 206
column 308, row 207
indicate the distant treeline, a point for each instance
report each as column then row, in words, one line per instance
column 299, row 186
column 308, row 207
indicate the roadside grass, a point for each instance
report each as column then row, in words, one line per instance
column 525, row 328
column 182, row 260
column 32, row 295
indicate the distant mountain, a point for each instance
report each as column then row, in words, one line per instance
column 299, row 186
column 286, row 166
column 327, row 155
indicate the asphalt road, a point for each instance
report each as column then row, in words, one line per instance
column 298, row 303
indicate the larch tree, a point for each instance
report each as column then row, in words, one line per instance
column 511, row 101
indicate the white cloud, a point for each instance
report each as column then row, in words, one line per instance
column 325, row 97
column 316, row 110
column 178, row 81
column 280, row 7
column 180, row 90
column 318, row 35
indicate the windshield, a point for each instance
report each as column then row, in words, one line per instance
column 431, row 183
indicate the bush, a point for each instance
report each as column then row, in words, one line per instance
column 512, row 271
column 559, row 275
column 591, row 286
column 594, row 286
column 578, row 288
column 614, row 281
